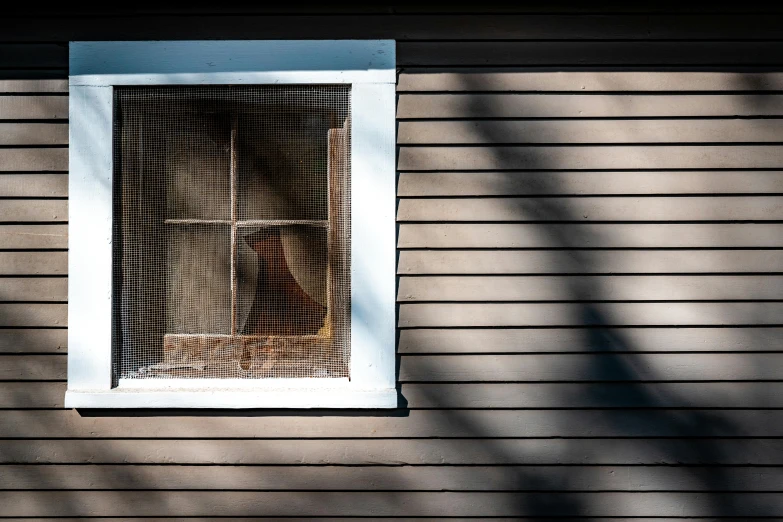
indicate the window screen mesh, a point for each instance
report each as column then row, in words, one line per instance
column 232, row 214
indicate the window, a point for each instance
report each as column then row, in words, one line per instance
column 232, row 224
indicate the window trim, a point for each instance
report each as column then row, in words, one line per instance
column 95, row 68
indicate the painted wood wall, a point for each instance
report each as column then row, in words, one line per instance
column 590, row 281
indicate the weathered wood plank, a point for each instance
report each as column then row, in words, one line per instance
column 381, row 504
column 588, row 131
column 616, row 367
column 33, row 340
column 33, row 107
column 582, row 287
column 33, row 185
column 585, row 105
column 33, row 159
column 396, row 519
column 38, row 55
column 48, row 367
column 635, row 53
column 590, row 235
column 583, row 395
column 560, row 367
column 591, row 208
column 33, row 289
column 395, row 452
column 33, row 263
column 395, row 478
column 38, row 314
column 523, row 340
column 588, row 314
column 31, row 210
column 419, row 27
column 34, row 86
column 523, row 183
column 34, row 236
column 590, row 157
column 33, row 134
column 34, row 424
column 752, row 395
column 561, row 79
column 587, row 261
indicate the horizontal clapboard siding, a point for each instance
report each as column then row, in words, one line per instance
column 570, row 340
column 590, row 235
column 559, row 79
column 381, row 504
column 623, row 209
column 581, row 157
column 587, row 131
column 471, row 395
column 590, row 280
column 581, row 183
column 435, row 423
column 598, row 288
column 425, row 452
column 587, row 261
column 557, row 314
column 570, row 105
column 355, row 478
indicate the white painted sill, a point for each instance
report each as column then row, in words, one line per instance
column 235, row 398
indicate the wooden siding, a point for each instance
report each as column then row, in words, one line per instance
column 590, row 262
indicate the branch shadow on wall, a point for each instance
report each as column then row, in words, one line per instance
column 552, row 491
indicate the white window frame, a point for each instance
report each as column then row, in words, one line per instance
column 95, row 69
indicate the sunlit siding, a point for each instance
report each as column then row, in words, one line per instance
column 590, row 262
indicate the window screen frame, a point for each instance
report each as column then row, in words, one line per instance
column 95, row 69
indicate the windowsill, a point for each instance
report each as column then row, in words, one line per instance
column 234, row 398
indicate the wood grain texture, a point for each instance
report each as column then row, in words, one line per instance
column 532, row 183
column 584, row 235
column 34, row 160
column 20, row 340
column 398, row 478
column 33, row 107
column 33, row 289
column 587, row 131
column 525, row 340
column 578, row 157
column 595, row 288
column 397, row 519
column 348, row 504
column 33, row 236
column 593, row 208
column 31, row 210
column 393, row 452
column 635, row 53
column 33, row 86
column 33, row 134
column 585, row 105
column 442, row 423
column 617, row 421
column 33, row 314
column 616, row 367
column 564, row 79
column 588, row 314
column 491, row 395
column 33, row 185
column 33, row 263
column 588, row 261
